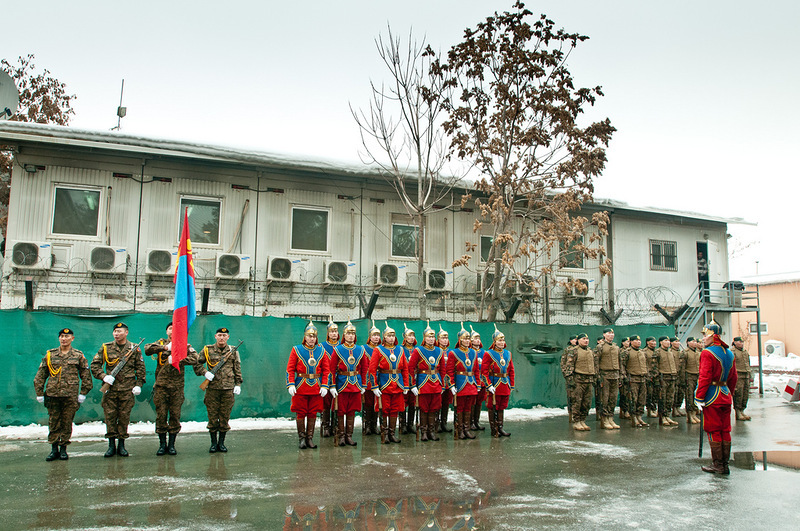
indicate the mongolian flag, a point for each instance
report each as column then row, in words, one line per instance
column 184, row 314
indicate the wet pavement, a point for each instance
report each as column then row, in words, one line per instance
column 544, row 476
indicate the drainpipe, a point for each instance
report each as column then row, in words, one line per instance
column 138, row 234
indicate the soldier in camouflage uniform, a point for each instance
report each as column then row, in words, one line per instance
column 668, row 374
column 653, row 382
column 635, row 373
column 690, row 371
column 608, row 364
column 624, row 387
column 222, row 387
column 572, row 344
column 66, row 369
column 168, row 390
column 680, row 384
column 125, row 386
column 741, row 359
column 581, row 366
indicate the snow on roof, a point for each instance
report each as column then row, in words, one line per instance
column 114, row 140
column 773, row 278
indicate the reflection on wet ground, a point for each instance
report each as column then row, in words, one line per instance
column 544, row 476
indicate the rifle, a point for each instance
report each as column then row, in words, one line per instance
column 417, row 414
column 219, row 365
column 455, row 416
column 700, row 450
column 380, row 412
column 120, row 365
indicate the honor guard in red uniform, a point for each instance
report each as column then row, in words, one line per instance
column 443, row 342
column 714, row 396
column 407, row 419
column 349, row 370
column 426, row 372
column 477, row 346
column 388, row 374
column 369, row 420
column 306, row 379
column 498, row 376
column 462, row 366
column 331, row 340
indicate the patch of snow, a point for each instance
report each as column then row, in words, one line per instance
column 573, row 486
column 591, row 448
column 462, row 480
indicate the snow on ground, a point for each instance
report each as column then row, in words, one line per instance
column 96, row 430
column 775, row 383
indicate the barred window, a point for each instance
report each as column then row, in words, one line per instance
column 663, row 255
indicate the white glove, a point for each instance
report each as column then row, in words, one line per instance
column 81, row 398
column 168, row 346
column 491, row 389
column 209, row 375
column 453, row 390
column 415, row 391
column 323, row 392
column 109, row 379
column 136, row 390
column 292, row 390
column 363, row 390
column 700, row 405
column 169, row 359
column 405, row 391
column 237, row 389
column 334, row 392
column 40, row 399
column 377, row 392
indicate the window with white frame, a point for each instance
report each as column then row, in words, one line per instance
column 663, row 255
column 310, row 229
column 405, row 233
column 754, row 328
column 486, row 247
column 204, row 219
column 76, row 211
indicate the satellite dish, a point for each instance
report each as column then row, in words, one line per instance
column 9, row 96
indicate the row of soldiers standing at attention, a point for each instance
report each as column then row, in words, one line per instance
column 659, row 378
column 64, row 378
column 387, row 380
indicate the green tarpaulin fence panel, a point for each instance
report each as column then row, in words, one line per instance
column 267, row 342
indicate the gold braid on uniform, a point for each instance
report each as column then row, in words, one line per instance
column 53, row 372
column 160, row 361
column 105, row 357
column 208, row 361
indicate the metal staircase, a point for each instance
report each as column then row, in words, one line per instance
column 719, row 297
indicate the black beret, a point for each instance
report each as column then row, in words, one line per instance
column 650, row 338
column 120, row 325
column 636, row 338
column 66, row 331
column 168, row 325
column 223, row 330
column 737, row 338
column 582, row 336
column 690, row 338
column 626, row 338
column 673, row 339
column 607, row 329
column 662, row 338
column 573, row 337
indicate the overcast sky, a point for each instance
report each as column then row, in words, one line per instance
column 703, row 93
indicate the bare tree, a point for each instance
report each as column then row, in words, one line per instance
column 401, row 132
column 513, row 113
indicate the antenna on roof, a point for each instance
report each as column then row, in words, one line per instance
column 9, row 96
column 121, row 111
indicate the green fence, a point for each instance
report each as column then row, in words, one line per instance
column 267, row 342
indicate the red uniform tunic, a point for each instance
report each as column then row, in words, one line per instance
column 407, row 350
column 308, row 371
column 461, row 376
column 497, row 370
column 328, row 347
column 717, row 377
column 390, row 376
column 349, row 376
column 426, row 371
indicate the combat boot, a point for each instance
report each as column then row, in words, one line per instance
column 745, row 416
column 641, row 422
column 613, row 424
column 604, row 424
column 651, row 414
column 349, row 427
column 634, row 422
column 221, row 443
column 583, row 425
column 311, row 422
column 465, row 424
column 726, row 456
column 162, row 444
column 676, row 412
column 171, row 444
column 213, row 448
column 53, row 453
column 739, row 415
column 121, row 451
column 500, row 415
column 62, row 452
column 391, row 437
column 301, row 434
column 112, row 448
column 716, row 459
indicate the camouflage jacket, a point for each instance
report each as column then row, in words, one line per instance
column 106, row 359
column 741, row 359
column 166, row 374
column 567, row 350
column 65, row 371
column 229, row 374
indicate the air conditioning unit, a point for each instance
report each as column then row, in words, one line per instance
column 282, row 269
column 773, row 347
column 110, row 260
column 233, row 266
column 578, row 292
column 31, row 255
column 391, row 275
column 438, row 280
column 161, row 262
column 339, row 273
column 524, row 286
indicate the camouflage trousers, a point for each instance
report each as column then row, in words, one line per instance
column 117, row 406
column 609, row 389
column 691, row 387
column 61, row 411
column 625, row 404
column 168, row 402
column 742, row 391
column 680, row 393
column 668, row 384
column 653, row 393
column 219, row 404
column 581, row 399
column 638, row 390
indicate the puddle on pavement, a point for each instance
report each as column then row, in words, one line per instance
column 784, row 460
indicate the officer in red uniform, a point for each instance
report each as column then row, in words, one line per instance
column 369, row 420
column 331, row 340
column 477, row 346
column 717, row 378
column 426, row 373
column 388, row 374
column 349, row 370
column 407, row 420
column 498, row 376
column 443, row 342
column 306, row 379
column 462, row 366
